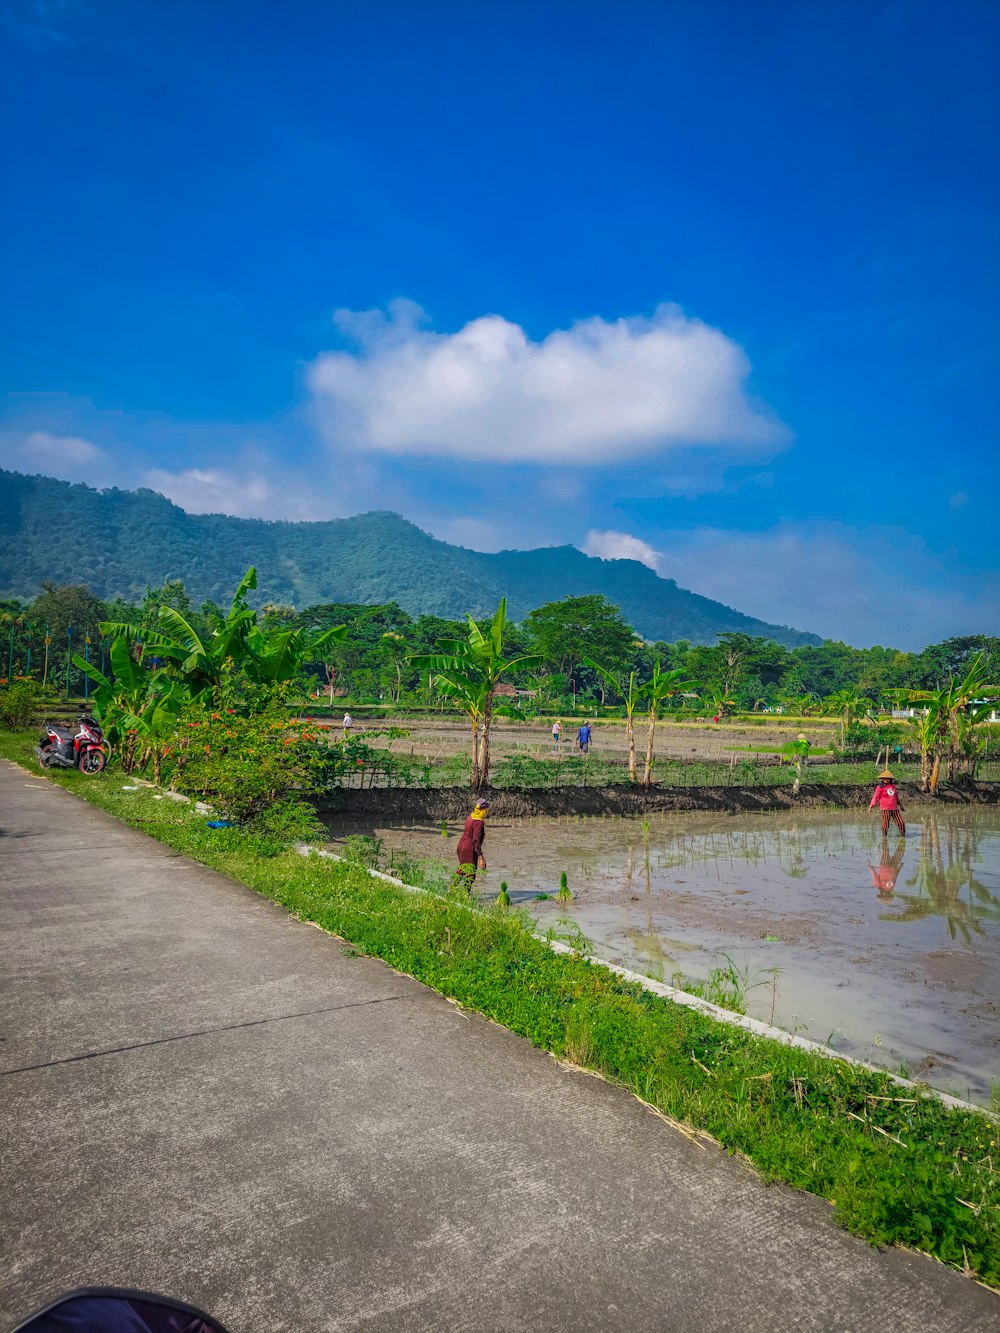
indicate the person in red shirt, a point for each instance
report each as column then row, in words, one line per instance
column 470, row 844
column 886, row 797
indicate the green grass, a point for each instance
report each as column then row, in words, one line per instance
column 898, row 1167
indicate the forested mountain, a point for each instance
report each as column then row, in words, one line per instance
column 119, row 542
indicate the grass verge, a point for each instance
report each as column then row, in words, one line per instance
column 898, row 1167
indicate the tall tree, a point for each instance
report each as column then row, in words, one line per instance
column 467, row 671
column 631, row 694
column 663, row 685
column 563, row 633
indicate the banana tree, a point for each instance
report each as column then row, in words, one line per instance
column 926, row 724
column 236, row 646
column 467, row 671
column 849, row 703
column 137, row 708
column 661, row 686
column 952, row 715
column 631, row 696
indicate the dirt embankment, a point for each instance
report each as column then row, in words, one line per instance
column 402, row 803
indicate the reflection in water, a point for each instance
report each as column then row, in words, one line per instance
column 890, row 864
column 945, row 866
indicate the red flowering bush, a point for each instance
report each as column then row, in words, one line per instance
column 243, row 765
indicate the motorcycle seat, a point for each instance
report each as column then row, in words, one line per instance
column 62, row 733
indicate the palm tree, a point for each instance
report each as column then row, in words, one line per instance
column 631, row 695
column 663, row 685
column 468, row 672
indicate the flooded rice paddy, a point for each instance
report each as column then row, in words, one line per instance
column 887, row 951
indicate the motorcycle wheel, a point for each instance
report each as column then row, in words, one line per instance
column 43, row 755
column 92, row 762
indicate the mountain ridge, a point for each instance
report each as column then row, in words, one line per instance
column 119, row 542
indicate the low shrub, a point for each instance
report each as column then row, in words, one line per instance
column 243, row 767
column 20, row 700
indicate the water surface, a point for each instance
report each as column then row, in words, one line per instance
column 886, row 950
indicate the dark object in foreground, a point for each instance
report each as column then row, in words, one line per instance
column 119, row 1310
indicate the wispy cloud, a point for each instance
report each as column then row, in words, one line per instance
column 595, row 393
column 68, row 456
column 37, row 22
column 621, row 546
column 256, row 490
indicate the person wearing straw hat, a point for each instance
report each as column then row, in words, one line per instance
column 470, row 844
column 886, row 797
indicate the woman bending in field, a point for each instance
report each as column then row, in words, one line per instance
column 470, row 844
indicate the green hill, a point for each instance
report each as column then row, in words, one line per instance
column 119, row 542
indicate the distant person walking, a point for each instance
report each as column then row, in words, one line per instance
column 556, row 732
column 347, row 724
column 886, row 797
column 583, row 738
column 470, row 844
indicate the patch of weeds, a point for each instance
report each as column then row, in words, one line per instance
column 361, row 850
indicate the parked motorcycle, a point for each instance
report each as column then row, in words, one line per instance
column 84, row 749
column 119, row 1310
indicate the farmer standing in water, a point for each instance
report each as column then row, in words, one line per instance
column 470, row 844
column 886, row 797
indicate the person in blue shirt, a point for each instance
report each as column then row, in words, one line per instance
column 583, row 738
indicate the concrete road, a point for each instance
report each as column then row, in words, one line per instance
column 204, row 1097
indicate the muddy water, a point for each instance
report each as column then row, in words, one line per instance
column 886, row 951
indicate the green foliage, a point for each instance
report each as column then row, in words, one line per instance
column 20, row 700
column 725, row 986
column 352, row 762
column 242, row 765
column 468, row 672
column 864, row 741
column 567, row 632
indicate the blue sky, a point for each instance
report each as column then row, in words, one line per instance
column 713, row 286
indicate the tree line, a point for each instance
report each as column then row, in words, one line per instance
column 575, row 652
column 154, row 661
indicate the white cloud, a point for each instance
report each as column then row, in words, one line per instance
column 240, row 492
column 595, row 393
column 68, row 456
column 863, row 585
column 621, row 546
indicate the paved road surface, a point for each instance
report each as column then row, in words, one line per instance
column 202, row 1096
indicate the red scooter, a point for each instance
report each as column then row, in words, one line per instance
column 85, row 749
